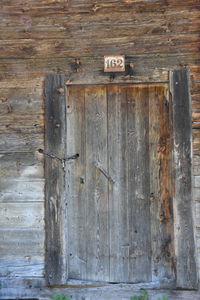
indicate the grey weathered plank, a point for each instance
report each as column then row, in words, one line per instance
column 196, row 194
column 20, row 141
column 139, row 186
column 183, row 221
column 101, row 293
column 22, row 216
column 6, row 32
column 27, row 80
column 123, row 200
column 21, row 283
column 29, row 48
column 125, row 292
column 196, row 165
column 197, row 214
column 21, row 166
column 20, row 99
column 97, row 184
column 196, row 141
column 119, row 235
column 75, row 183
column 113, row 109
column 196, row 181
column 21, row 242
column 22, row 190
column 21, row 287
column 21, row 122
column 20, row 81
column 135, row 249
column 55, row 208
column 163, row 261
column 28, row 266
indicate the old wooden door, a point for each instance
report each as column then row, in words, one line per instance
column 121, row 211
column 119, row 204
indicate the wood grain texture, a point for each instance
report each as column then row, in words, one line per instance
column 114, row 148
column 21, row 166
column 118, row 196
column 35, row 288
column 29, row 48
column 12, row 216
column 196, row 181
column 157, row 36
column 21, row 191
column 76, row 182
column 55, row 203
column 28, row 73
column 100, row 293
column 21, row 242
column 97, row 236
column 196, row 141
column 19, row 100
column 139, row 183
column 162, row 236
column 22, row 123
column 29, row 266
column 196, row 194
column 183, row 221
column 196, row 165
column 21, row 142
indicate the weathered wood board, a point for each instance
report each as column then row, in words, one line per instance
column 14, row 242
column 182, row 172
column 55, row 205
column 32, row 291
column 196, row 165
column 21, row 166
column 21, row 142
column 161, row 185
column 28, row 266
column 21, row 191
column 12, row 216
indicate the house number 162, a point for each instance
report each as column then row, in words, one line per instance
column 114, row 63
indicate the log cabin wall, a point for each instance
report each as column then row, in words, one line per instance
column 41, row 37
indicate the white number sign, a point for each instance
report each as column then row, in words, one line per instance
column 114, row 63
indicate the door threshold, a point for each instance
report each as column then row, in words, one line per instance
column 157, row 284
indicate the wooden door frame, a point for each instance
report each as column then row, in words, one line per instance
column 56, row 202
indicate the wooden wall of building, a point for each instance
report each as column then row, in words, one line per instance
column 46, row 36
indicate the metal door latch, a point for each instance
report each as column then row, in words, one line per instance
column 99, row 166
column 62, row 160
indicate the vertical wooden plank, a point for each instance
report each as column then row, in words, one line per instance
column 138, row 184
column 97, row 184
column 56, row 260
column 75, row 183
column 118, row 205
column 162, row 239
column 183, row 219
column 113, row 104
column 123, row 200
